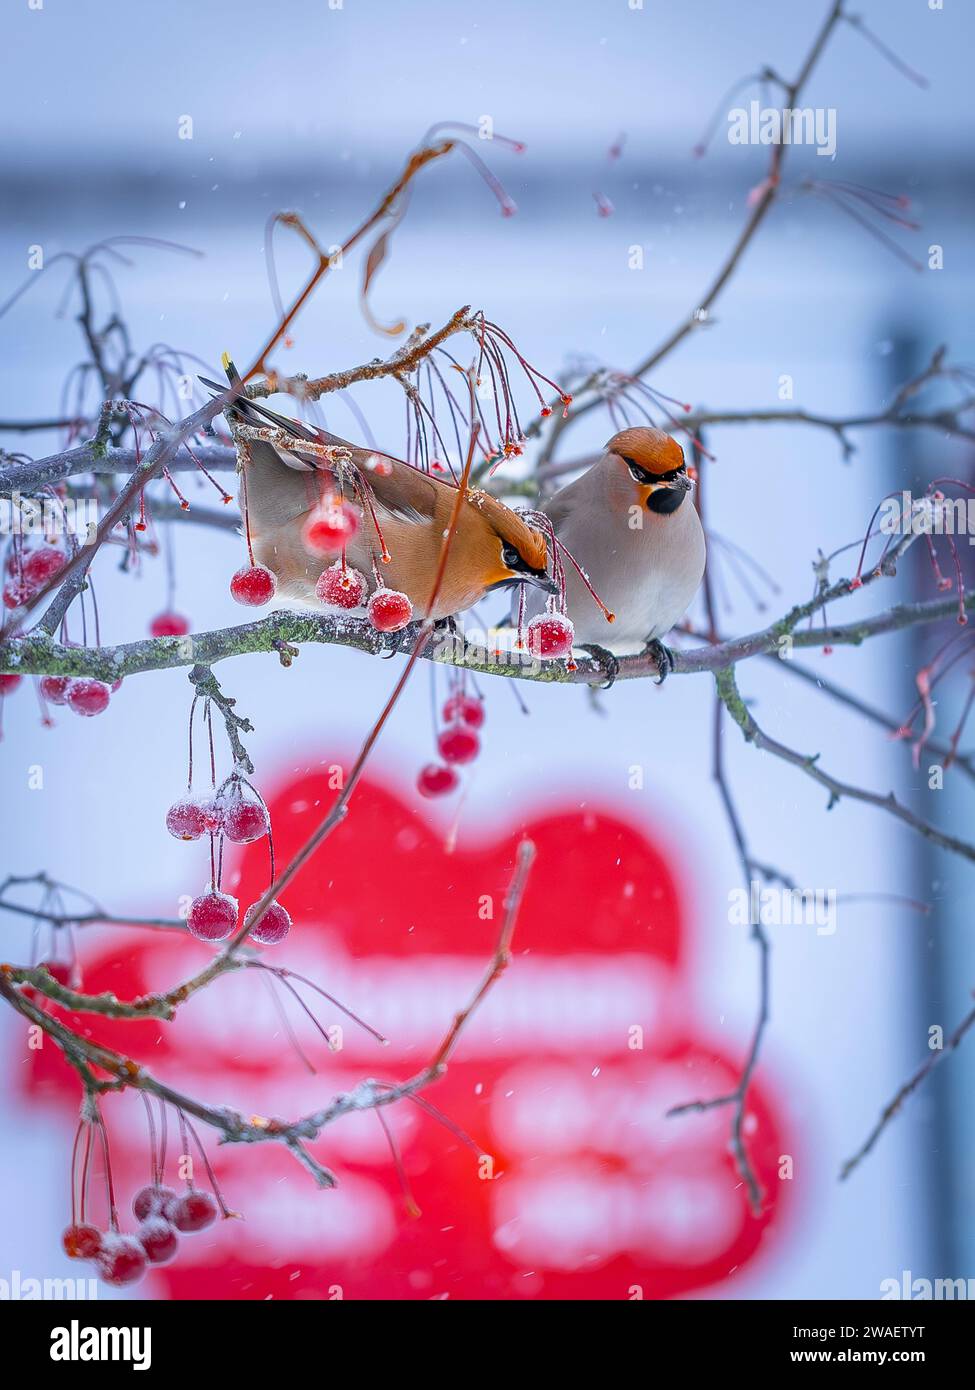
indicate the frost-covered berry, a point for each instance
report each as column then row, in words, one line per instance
column 273, row 926
column 42, row 565
column 169, row 625
column 8, row 684
column 87, row 697
column 158, row 1240
column 82, row 1241
column 436, row 780
column 458, row 744
column 194, row 1211
column 15, row 593
column 55, row 689
column 185, row 820
column 388, row 610
column 464, row 709
column 244, row 821
column 121, row 1259
column 212, row 916
column 342, row 587
column 151, row 1201
column 549, row 636
column 212, row 810
column 330, row 526
column 253, row 585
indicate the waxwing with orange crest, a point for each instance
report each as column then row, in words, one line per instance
column 631, row 524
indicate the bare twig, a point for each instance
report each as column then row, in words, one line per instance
column 90, row 1057
column 809, row 766
column 908, row 1088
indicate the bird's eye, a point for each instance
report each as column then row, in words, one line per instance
column 638, row 474
column 511, row 558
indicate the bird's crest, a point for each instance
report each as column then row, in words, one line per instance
column 652, row 450
column 529, row 543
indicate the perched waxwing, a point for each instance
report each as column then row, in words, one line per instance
column 400, row 517
column 631, row 524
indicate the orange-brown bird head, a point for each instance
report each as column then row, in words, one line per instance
column 510, row 551
column 655, row 463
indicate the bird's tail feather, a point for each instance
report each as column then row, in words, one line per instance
column 248, row 412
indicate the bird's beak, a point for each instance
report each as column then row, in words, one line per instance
column 545, row 582
column 682, row 483
column 538, row 580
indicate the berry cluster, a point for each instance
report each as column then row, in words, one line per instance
column 162, row 1213
column 227, row 814
column 81, row 694
column 458, row 742
column 233, row 812
column 28, row 567
column 30, row 564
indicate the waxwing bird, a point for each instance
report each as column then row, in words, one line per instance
column 631, row 524
column 402, row 513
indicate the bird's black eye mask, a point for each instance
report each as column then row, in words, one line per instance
column 524, row 573
column 663, row 500
column 514, row 560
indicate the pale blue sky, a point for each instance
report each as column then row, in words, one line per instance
column 105, row 81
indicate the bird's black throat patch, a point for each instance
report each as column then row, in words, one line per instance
column 665, row 500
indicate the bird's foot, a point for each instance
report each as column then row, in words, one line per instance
column 606, row 662
column 663, row 656
column 440, row 626
column 395, row 643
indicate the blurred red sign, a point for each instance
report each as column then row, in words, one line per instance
column 564, row 1077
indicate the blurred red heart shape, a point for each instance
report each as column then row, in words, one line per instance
column 577, row 1184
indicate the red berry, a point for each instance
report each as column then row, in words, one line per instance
column 86, row 696
column 458, row 744
column 82, row 1242
column 549, row 636
column 158, row 1240
column 55, row 689
column 388, row 610
column 212, row 810
column 435, row 780
column 342, row 587
column 273, row 926
column 330, row 526
column 244, row 821
column 184, row 820
column 15, row 593
column 253, row 585
column 8, row 684
column 42, row 565
column 212, row 916
column 151, row 1201
column 464, row 709
column 169, row 625
column 121, row 1259
column 194, row 1211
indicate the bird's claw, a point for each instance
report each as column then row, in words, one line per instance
column 663, row 656
column 395, row 644
column 441, row 625
column 606, row 662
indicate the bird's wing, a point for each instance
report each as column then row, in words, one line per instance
column 278, row 490
column 404, row 492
